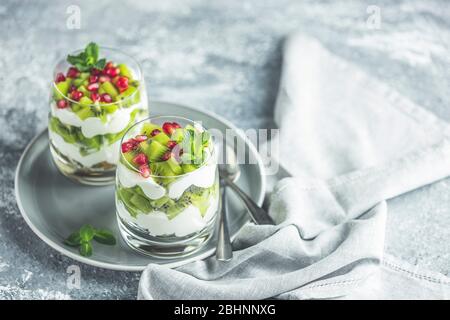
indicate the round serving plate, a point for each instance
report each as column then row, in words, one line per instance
column 54, row 206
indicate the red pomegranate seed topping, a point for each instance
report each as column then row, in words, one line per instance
column 166, row 156
column 171, row 144
column 112, row 72
column 127, row 146
column 93, row 79
column 73, row 72
column 59, row 77
column 168, row 128
column 93, row 86
column 140, row 138
column 72, row 88
column 104, row 79
column 61, row 104
column 155, row 132
column 106, row 98
column 144, row 170
column 109, row 65
column 140, row 159
column 176, row 125
column 122, row 82
column 76, row 95
column 96, row 72
column 95, row 96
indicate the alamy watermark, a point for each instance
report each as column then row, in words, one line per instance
column 73, row 20
column 74, row 278
column 373, row 21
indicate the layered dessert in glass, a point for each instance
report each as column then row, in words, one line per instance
column 97, row 95
column 167, row 185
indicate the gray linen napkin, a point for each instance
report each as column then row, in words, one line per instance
column 351, row 143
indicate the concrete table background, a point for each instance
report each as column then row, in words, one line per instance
column 223, row 56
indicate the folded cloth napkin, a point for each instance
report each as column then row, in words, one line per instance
column 350, row 143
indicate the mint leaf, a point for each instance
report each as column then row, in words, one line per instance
column 92, row 51
column 104, row 237
column 73, row 240
column 87, row 233
column 87, row 59
column 85, row 249
column 100, row 64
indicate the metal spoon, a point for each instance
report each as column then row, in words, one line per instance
column 224, row 252
column 229, row 172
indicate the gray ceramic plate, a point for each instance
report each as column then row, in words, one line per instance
column 54, row 206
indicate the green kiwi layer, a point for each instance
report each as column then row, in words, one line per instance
column 136, row 202
column 73, row 135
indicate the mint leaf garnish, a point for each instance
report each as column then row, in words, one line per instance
column 73, row 240
column 87, row 233
column 105, row 237
column 86, row 249
column 83, row 239
column 88, row 59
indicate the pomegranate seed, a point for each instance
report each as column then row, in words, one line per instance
column 176, row 125
column 93, row 79
column 144, row 170
column 140, row 138
column 59, row 77
column 112, row 72
column 95, row 96
column 106, row 98
column 61, row 104
column 96, row 72
column 76, row 95
column 72, row 88
column 168, row 128
column 109, row 65
column 140, row 159
column 166, row 156
column 73, row 72
column 155, row 132
column 171, row 144
column 127, row 146
column 93, row 86
column 104, row 78
column 122, row 82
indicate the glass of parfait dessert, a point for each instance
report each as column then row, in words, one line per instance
column 93, row 102
column 167, row 184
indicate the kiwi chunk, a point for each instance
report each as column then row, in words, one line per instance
column 125, row 71
column 188, row 167
column 61, row 90
column 140, row 202
column 162, row 138
column 155, row 151
column 110, row 89
column 174, row 166
column 84, row 113
column 110, row 108
column 148, row 128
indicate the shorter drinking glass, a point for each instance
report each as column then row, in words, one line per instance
column 167, row 187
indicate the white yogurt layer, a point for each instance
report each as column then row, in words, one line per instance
column 108, row 153
column 157, row 223
column 93, row 126
column 203, row 177
column 129, row 178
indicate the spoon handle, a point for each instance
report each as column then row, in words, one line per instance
column 224, row 251
column 258, row 214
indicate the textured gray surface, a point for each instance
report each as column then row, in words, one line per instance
column 223, row 56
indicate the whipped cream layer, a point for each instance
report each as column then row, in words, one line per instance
column 157, row 223
column 109, row 153
column 93, row 126
column 203, row 177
